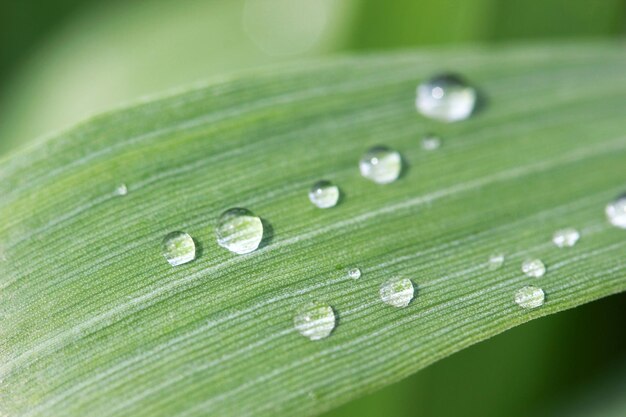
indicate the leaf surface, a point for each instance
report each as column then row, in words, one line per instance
column 95, row 322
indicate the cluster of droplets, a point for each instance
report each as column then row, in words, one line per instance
column 531, row 296
column 446, row 98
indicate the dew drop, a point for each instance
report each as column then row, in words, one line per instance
column 566, row 237
column 397, row 292
column 324, row 194
column 533, row 268
column 381, row 165
column 121, row 190
column 315, row 320
column 431, row 143
column 616, row 212
column 496, row 261
column 178, row 248
column 446, row 97
column 529, row 297
column 354, row 273
column 239, row 231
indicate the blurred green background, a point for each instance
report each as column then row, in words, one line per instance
column 64, row 60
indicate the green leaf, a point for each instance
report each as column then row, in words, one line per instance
column 95, row 322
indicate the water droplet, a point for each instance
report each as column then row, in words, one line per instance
column 496, row 261
column 431, row 143
column 446, row 97
column 315, row 320
column 397, row 292
column 179, row 248
column 529, row 297
column 381, row 165
column 239, row 231
column 533, row 268
column 566, row 237
column 121, row 190
column 354, row 273
column 324, row 194
column 616, row 212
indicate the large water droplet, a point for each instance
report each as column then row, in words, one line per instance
column 381, row 165
column 431, row 143
column 315, row 320
column 239, row 231
column 616, row 212
column 446, row 97
column 565, row 237
column 354, row 273
column 529, row 297
column 533, row 268
column 496, row 261
column 178, row 248
column 397, row 292
column 324, row 194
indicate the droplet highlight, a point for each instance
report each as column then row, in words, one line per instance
column 397, row 292
column 533, row 268
column 381, row 165
column 530, row 297
column 354, row 273
column 314, row 320
column 324, row 194
column 496, row 261
column 239, row 231
column 566, row 237
column 431, row 143
column 616, row 212
column 178, row 248
column 446, row 98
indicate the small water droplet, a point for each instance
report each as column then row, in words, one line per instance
column 529, row 297
column 431, row 143
column 616, row 212
column 566, row 237
column 446, row 97
column 178, row 248
column 315, row 320
column 397, row 292
column 533, row 268
column 324, row 194
column 239, row 231
column 354, row 273
column 496, row 261
column 381, row 165
column 121, row 190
